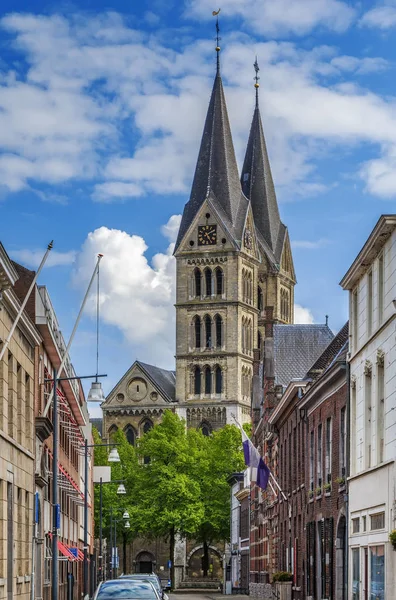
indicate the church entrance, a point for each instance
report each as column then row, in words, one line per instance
column 145, row 563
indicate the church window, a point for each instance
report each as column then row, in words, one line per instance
column 208, row 381
column 259, row 341
column 243, row 335
column 219, row 380
column 205, row 428
column 208, row 332
column 219, row 281
column 260, row 298
column 219, row 331
column 208, row 282
column 197, row 277
column 197, row 327
column 147, row 426
column 197, row 381
column 112, row 431
column 130, row 435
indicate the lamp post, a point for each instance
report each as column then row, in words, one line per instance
column 114, row 521
column 101, row 571
column 113, row 457
column 55, row 503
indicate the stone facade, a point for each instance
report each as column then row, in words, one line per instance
column 371, row 283
column 17, row 380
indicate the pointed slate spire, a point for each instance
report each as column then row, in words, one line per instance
column 216, row 173
column 257, row 182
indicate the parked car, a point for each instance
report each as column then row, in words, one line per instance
column 153, row 578
column 126, row 589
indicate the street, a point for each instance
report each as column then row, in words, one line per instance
column 201, row 595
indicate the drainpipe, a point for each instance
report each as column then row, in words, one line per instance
column 347, row 473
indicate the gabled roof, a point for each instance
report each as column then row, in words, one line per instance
column 296, row 348
column 258, row 186
column 164, row 380
column 333, row 350
column 216, row 171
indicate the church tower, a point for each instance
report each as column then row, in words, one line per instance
column 234, row 267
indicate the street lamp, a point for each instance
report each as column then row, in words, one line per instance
column 55, row 505
column 113, row 456
column 121, row 489
column 113, row 561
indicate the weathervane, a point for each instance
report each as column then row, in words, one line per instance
column 256, row 78
column 215, row 13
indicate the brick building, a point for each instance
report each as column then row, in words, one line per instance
column 310, row 426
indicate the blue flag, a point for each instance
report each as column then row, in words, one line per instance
column 259, row 472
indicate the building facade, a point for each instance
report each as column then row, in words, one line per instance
column 17, row 381
column 237, row 579
column 371, row 284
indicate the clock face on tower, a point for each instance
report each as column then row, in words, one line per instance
column 207, row 235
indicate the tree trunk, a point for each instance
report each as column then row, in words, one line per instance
column 205, row 559
column 172, row 556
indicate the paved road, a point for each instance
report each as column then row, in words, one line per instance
column 209, row 595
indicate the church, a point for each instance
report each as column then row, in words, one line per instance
column 234, row 277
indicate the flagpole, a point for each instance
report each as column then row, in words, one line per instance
column 278, row 486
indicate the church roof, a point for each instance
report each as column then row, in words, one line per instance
column 216, row 173
column 163, row 379
column 258, row 186
column 331, row 353
column 296, row 348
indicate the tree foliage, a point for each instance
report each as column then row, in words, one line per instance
column 181, row 488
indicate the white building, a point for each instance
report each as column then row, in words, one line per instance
column 371, row 282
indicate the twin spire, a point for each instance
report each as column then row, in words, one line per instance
column 217, row 179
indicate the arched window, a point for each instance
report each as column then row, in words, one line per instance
column 259, row 298
column 205, row 428
column 208, row 282
column 244, row 284
column 147, row 426
column 208, row 381
column 219, row 380
column 197, row 277
column 197, row 381
column 219, row 331
column 243, row 335
column 197, row 328
column 112, row 431
column 219, row 281
column 259, row 341
column 208, row 332
column 130, row 434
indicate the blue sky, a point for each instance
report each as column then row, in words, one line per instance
column 101, row 113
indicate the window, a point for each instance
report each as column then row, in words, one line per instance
column 353, row 427
column 208, row 332
column 342, row 441
column 130, row 434
column 377, row 571
column 368, row 418
column 219, row 380
column 355, row 525
column 219, row 282
column 219, row 331
column 311, row 461
column 260, row 298
column 319, row 456
column 208, row 282
column 205, row 429
column 369, row 303
column 197, row 381
column 197, row 278
column 377, row 521
column 355, row 574
column 197, row 328
column 112, row 431
column 10, row 395
column 355, row 308
column 328, row 450
column 208, row 381
column 380, row 413
column 380, row 289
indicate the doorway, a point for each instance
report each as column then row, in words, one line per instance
column 145, row 563
column 341, row 546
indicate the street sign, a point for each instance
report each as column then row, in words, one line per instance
column 57, row 516
column 169, row 564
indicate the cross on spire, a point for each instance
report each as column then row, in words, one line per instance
column 215, row 13
column 256, row 78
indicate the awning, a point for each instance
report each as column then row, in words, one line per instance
column 63, row 549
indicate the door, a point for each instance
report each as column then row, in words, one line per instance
column 366, row 575
column 145, row 566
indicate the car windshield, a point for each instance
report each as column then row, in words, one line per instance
column 126, row 589
column 151, row 578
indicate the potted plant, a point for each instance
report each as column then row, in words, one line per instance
column 283, row 582
column 392, row 538
column 310, row 494
column 327, row 487
column 282, row 576
column 318, row 491
column 340, row 481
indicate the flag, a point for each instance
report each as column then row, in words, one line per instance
column 259, row 472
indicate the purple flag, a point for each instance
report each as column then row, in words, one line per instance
column 259, row 472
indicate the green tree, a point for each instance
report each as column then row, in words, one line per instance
column 170, row 499
column 220, row 455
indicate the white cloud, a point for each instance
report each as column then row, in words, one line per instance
column 310, row 245
column 302, row 315
column 380, row 175
column 171, row 229
column 33, row 258
column 280, row 17
column 136, row 296
column 382, row 17
column 99, row 103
